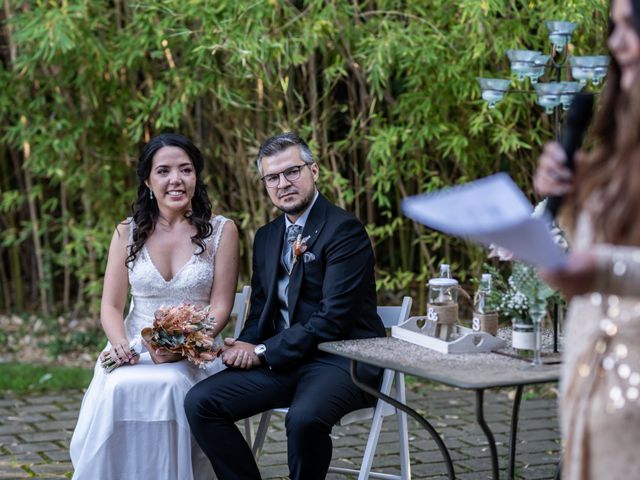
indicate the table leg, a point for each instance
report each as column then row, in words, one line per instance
column 415, row 415
column 555, row 327
column 514, row 432
column 487, row 432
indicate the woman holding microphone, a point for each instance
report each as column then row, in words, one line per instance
column 600, row 387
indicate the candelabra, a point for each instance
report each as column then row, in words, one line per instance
column 558, row 93
column 554, row 96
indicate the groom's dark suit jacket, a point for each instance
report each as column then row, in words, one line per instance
column 332, row 293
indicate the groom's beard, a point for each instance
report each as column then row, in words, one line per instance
column 300, row 206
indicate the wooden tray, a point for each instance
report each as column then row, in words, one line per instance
column 467, row 340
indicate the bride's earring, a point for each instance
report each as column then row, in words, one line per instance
column 151, row 194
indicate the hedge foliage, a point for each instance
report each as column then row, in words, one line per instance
column 385, row 91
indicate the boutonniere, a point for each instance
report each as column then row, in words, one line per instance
column 299, row 247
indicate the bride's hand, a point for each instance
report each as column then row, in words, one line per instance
column 159, row 355
column 121, row 352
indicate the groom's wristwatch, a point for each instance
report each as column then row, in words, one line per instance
column 260, row 350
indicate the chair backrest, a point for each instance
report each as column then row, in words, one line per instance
column 240, row 309
column 395, row 315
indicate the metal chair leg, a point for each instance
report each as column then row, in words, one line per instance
column 261, row 434
column 248, row 431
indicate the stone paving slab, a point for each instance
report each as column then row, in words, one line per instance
column 35, row 433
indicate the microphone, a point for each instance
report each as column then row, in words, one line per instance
column 575, row 125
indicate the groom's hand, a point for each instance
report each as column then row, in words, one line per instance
column 239, row 354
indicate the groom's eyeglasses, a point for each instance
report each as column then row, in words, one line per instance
column 291, row 174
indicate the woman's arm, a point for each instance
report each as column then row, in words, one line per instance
column 225, row 281
column 617, row 270
column 114, row 297
column 607, row 269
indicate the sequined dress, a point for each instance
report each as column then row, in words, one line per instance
column 132, row 423
column 600, row 388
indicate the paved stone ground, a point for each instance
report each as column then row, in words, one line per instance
column 35, row 433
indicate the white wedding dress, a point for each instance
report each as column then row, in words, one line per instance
column 132, row 423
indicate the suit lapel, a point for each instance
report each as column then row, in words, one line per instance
column 273, row 253
column 312, row 228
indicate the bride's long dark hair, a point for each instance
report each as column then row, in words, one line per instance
column 145, row 209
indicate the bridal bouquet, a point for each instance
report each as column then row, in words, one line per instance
column 184, row 329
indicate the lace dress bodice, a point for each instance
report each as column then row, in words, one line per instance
column 192, row 283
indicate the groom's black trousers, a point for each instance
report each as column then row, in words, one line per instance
column 317, row 394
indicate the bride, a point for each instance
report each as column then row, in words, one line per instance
column 132, row 422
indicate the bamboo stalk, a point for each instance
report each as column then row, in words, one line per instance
column 16, row 274
column 417, row 228
column 403, row 242
column 88, row 214
column 313, row 97
column 35, row 224
column 47, row 254
column 13, row 51
column 15, row 268
column 5, row 223
column 66, row 274
column 5, row 305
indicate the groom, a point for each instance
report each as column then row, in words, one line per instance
column 313, row 282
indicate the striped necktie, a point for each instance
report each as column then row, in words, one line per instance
column 287, row 250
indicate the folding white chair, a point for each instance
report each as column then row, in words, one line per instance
column 390, row 315
column 240, row 311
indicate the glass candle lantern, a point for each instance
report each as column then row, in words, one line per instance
column 493, row 89
column 560, row 32
column 589, row 68
column 523, row 62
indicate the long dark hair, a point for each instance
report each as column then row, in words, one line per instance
column 145, row 209
column 609, row 180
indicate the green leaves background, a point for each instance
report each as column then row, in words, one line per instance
column 384, row 90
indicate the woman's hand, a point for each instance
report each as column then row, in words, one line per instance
column 120, row 352
column 553, row 178
column 576, row 277
column 160, row 355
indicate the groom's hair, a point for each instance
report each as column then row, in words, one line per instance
column 279, row 143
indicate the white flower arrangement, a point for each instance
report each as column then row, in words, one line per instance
column 524, row 295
